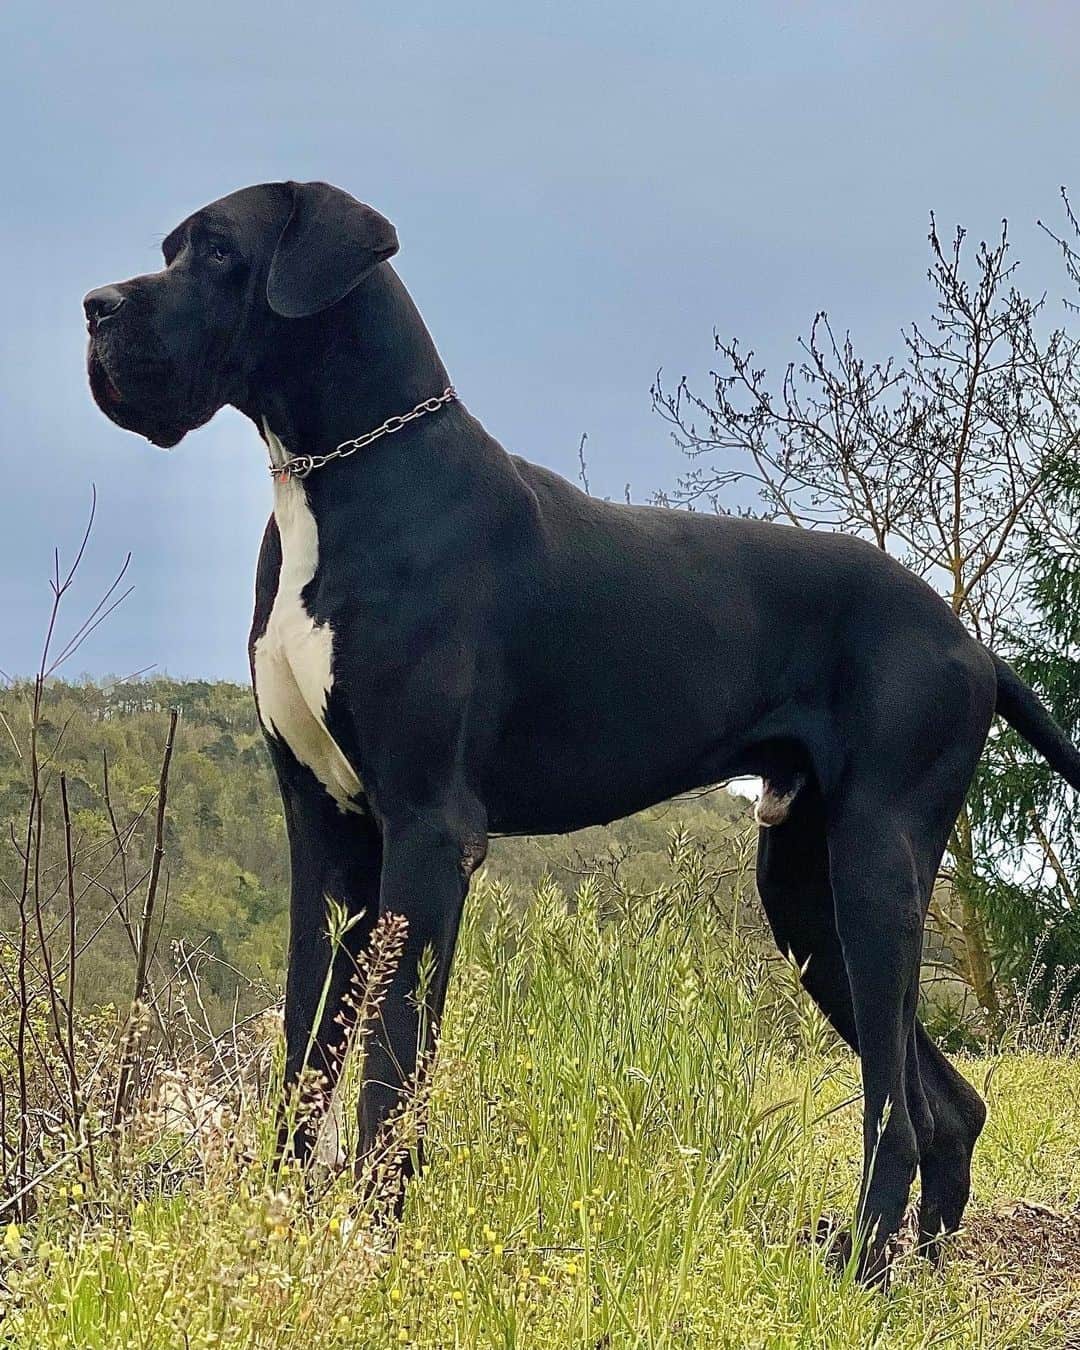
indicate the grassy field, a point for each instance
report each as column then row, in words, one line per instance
column 634, row 1126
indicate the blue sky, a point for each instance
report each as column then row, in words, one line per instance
column 583, row 192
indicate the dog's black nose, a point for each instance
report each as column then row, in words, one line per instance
column 102, row 304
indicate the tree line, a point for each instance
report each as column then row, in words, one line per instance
column 223, row 898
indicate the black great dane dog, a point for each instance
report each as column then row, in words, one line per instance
column 450, row 642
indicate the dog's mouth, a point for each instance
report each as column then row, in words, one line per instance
column 109, row 394
column 102, row 385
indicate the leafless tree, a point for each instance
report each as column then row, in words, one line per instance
column 936, row 455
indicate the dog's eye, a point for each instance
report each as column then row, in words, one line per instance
column 219, row 253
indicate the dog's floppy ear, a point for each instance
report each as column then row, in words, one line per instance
column 330, row 242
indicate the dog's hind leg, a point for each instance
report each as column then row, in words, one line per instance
column 796, row 892
column 959, row 1115
column 793, row 882
column 946, row 1113
column 879, row 917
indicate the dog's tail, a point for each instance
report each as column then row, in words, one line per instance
column 1021, row 708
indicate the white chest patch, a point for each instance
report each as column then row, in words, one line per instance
column 294, row 657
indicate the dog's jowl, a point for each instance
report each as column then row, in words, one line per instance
column 450, row 642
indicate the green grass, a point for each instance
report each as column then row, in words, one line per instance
column 634, row 1124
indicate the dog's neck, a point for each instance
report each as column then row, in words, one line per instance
column 347, row 370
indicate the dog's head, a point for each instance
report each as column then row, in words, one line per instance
column 168, row 349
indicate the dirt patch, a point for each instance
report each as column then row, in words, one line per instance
column 1026, row 1234
column 1027, row 1253
column 1032, row 1254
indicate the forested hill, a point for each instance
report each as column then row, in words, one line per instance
column 225, row 877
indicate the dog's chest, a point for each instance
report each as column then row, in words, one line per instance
column 294, row 657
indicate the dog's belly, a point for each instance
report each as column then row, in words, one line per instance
column 294, row 656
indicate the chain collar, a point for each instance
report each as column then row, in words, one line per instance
column 299, row 466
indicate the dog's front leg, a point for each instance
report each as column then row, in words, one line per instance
column 335, row 856
column 427, row 862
